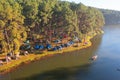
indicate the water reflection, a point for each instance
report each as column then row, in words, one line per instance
column 59, row 74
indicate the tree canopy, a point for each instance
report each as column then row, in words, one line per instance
column 111, row 16
column 20, row 19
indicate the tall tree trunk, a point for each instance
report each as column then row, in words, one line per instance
column 7, row 39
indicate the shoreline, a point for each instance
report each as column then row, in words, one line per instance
column 12, row 65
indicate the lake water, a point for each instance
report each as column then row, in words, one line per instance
column 77, row 65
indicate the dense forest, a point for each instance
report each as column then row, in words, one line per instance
column 111, row 16
column 21, row 20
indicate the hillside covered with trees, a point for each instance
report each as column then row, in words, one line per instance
column 21, row 20
column 111, row 16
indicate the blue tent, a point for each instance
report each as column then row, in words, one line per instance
column 59, row 47
column 41, row 47
column 62, row 45
column 36, row 47
column 66, row 45
column 57, row 41
column 54, row 49
column 71, row 42
column 48, row 46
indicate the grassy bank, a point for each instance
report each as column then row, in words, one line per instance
column 7, row 67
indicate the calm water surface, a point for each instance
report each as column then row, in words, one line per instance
column 76, row 65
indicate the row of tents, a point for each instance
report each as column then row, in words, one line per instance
column 47, row 46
